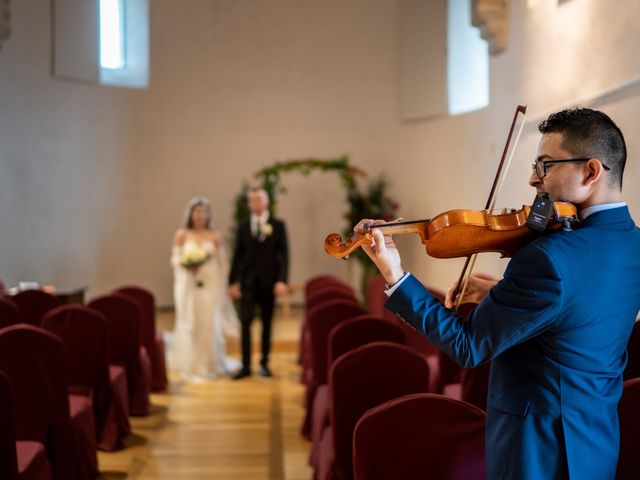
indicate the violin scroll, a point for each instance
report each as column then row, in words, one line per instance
column 335, row 246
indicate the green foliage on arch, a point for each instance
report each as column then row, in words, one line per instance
column 365, row 201
column 369, row 202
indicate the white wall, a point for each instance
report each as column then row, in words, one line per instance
column 93, row 180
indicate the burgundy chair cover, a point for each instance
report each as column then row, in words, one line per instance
column 473, row 387
column 321, row 281
column 34, row 361
column 376, row 296
column 321, row 320
column 344, row 338
column 420, row 436
column 9, row 312
column 151, row 339
column 25, row 460
column 34, row 304
column 629, row 413
column 318, row 297
column 360, row 330
column 123, row 316
column 85, row 335
column 633, row 348
column 361, row 379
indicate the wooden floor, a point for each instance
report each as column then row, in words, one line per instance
column 223, row 429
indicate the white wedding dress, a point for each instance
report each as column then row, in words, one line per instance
column 204, row 316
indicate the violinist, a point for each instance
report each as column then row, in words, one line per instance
column 556, row 326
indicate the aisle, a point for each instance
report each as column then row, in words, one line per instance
column 248, row 429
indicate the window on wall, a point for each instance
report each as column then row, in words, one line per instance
column 112, row 34
column 124, row 42
column 102, row 41
column 467, row 61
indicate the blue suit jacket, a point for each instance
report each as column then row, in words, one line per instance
column 556, row 329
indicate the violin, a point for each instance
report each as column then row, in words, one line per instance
column 465, row 233
column 461, row 233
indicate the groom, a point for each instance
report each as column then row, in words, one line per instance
column 258, row 274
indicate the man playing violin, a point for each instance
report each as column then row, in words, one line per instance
column 556, row 326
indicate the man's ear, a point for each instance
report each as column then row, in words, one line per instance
column 593, row 170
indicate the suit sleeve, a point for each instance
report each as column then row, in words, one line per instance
column 522, row 305
column 282, row 252
column 238, row 257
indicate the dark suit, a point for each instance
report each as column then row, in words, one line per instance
column 556, row 328
column 258, row 263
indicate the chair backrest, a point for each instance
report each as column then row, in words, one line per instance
column 34, row 361
column 321, row 281
column 321, row 320
column 364, row 378
column 85, row 335
column 420, row 436
column 326, row 294
column 629, row 412
column 123, row 317
column 148, row 319
column 34, row 304
column 475, row 385
column 376, row 296
column 632, row 369
column 9, row 312
column 8, row 454
column 361, row 330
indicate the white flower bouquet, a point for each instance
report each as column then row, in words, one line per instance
column 193, row 257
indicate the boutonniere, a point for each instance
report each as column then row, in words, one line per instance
column 266, row 229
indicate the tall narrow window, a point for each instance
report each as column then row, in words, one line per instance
column 467, row 61
column 124, row 43
column 112, row 34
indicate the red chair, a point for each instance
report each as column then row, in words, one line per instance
column 316, row 283
column 322, row 281
column 361, row 379
column 151, row 339
column 34, row 304
column 85, row 335
column 632, row 369
column 321, row 320
column 420, row 436
column 34, row 361
column 318, row 297
column 345, row 337
column 123, row 316
column 18, row 459
column 629, row 412
column 9, row 313
column 473, row 387
column 376, row 297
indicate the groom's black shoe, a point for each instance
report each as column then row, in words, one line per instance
column 264, row 371
column 242, row 373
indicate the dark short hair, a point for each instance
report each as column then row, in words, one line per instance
column 590, row 133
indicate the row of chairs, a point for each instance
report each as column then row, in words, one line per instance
column 30, row 306
column 353, row 361
column 102, row 366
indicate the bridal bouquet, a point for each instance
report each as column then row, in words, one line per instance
column 192, row 257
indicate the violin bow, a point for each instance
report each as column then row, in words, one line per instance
column 498, row 182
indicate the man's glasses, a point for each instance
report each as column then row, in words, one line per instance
column 540, row 167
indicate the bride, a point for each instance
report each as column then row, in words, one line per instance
column 204, row 312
